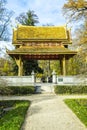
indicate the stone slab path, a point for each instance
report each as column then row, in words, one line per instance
column 49, row 112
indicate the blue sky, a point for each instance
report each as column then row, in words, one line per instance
column 49, row 11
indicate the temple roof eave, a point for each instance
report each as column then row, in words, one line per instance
column 43, row 53
column 42, row 49
column 44, row 56
column 20, row 42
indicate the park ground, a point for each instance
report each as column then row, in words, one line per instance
column 49, row 112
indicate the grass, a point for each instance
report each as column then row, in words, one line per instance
column 79, row 107
column 14, row 118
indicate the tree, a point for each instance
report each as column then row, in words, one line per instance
column 82, row 49
column 30, row 65
column 75, row 9
column 5, row 17
column 6, row 67
column 29, row 18
column 79, row 62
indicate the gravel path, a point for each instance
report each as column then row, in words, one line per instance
column 49, row 112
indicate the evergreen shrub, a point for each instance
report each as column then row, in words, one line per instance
column 16, row 90
column 70, row 89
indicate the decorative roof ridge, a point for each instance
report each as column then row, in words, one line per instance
column 20, row 25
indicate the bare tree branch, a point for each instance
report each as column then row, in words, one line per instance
column 5, row 17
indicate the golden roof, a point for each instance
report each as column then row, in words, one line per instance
column 40, row 33
column 41, row 50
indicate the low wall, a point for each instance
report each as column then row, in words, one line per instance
column 17, row 80
column 63, row 80
column 30, row 80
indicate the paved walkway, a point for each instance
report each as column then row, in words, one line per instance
column 49, row 112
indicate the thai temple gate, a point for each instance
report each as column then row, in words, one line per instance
column 41, row 43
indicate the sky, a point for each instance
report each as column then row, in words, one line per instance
column 48, row 12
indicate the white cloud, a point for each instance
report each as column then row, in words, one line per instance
column 3, row 46
column 6, row 44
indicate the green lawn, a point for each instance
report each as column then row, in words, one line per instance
column 79, row 107
column 14, row 118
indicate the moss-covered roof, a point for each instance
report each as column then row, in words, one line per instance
column 41, row 33
column 14, row 36
column 40, row 50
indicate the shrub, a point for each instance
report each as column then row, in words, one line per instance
column 17, row 90
column 69, row 89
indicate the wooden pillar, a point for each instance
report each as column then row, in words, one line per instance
column 20, row 65
column 64, row 65
column 61, row 67
column 86, row 59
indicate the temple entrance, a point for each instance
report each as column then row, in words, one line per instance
column 43, row 79
column 41, row 43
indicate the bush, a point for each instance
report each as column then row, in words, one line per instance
column 17, row 90
column 69, row 89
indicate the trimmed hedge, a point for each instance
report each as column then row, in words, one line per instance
column 69, row 89
column 17, row 90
